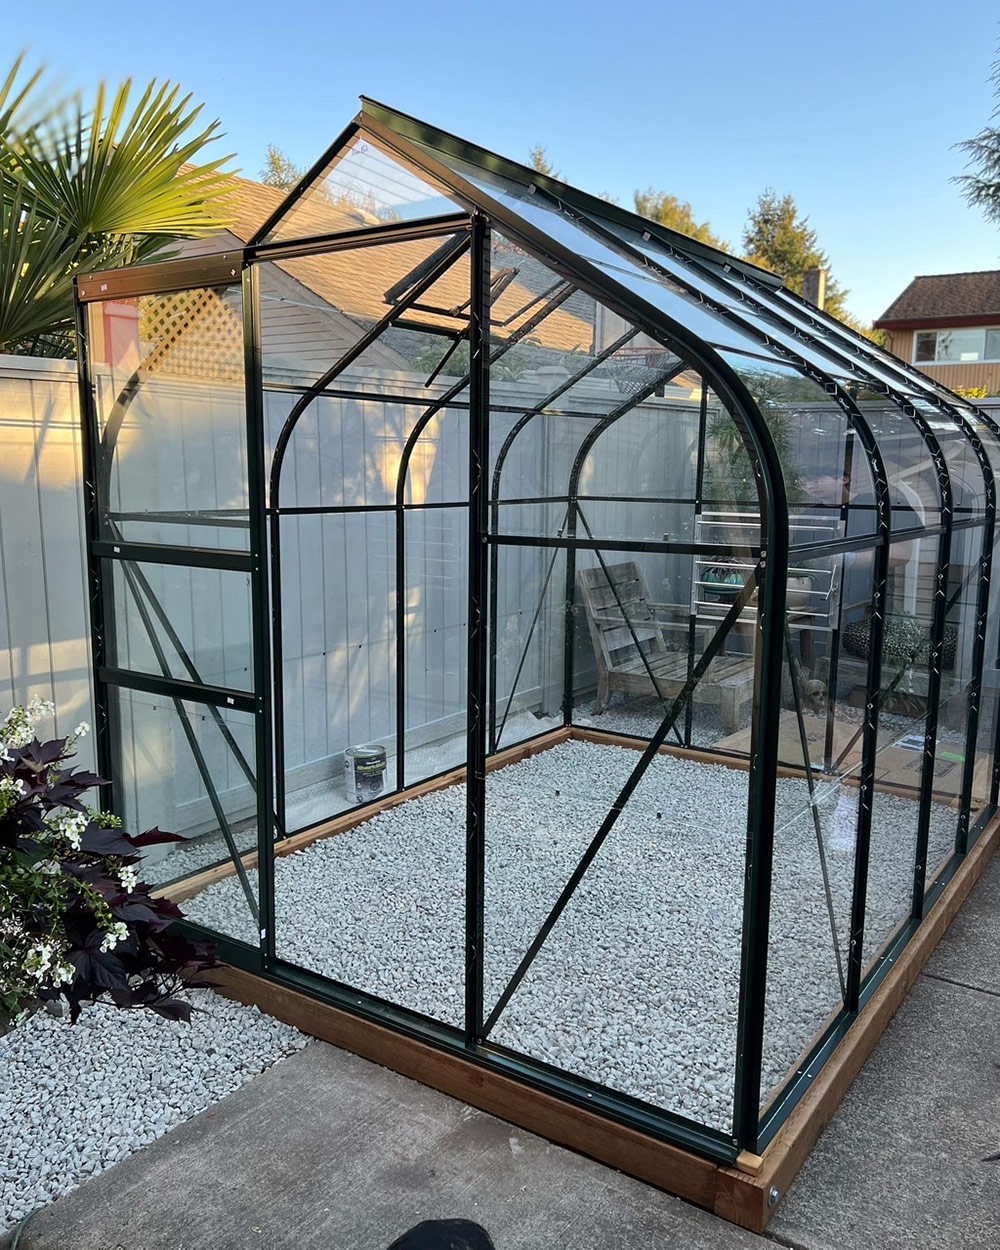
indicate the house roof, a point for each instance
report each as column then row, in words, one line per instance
column 356, row 281
column 946, row 299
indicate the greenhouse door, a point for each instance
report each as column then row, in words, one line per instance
column 174, row 560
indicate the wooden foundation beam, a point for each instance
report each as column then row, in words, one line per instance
column 656, row 1162
column 746, row 1194
column 749, row 1199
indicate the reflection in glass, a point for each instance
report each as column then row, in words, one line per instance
column 190, row 769
column 168, row 382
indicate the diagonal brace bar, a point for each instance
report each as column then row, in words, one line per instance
column 647, row 757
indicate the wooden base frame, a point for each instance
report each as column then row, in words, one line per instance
column 745, row 1194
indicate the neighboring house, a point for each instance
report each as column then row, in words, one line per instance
column 948, row 325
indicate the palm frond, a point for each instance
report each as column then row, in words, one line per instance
column 115, row 172
column 91, row 189
column 39, row 259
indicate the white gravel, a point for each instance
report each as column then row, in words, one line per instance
column 75, row 1099
column 322, row 800
column 637, row 985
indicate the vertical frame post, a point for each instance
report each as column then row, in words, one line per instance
column 106, row 738
column 869, row 743
column 264, row 725
column 935, row 661
column 760, row 805
column 699, row 503
column 478, row 617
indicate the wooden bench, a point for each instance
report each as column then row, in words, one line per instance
column 627, row 630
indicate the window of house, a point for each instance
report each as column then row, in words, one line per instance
column 957, row 346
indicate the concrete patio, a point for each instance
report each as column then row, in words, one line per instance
column 327, row 1150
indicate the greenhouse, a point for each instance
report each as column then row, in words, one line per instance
column 557, row 645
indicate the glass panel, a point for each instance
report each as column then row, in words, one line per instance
column 571, row 231
column 914, row 493
column 362, row 186
column 190, row 623
column 436, row 596
column 992, row 345
column 338, row 616
column 968, row 486
column 316, row 308
column 182, row 766
column 168, row 384
column 901, row 737
column 926, row 346
column 639, row 480
column 752, row 306
column 828, row 479
column 348, row 453
column 529, row 623
column 823, row 697
column 638, row 977
column 957, row 673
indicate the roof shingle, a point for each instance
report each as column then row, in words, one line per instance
column 931, row 297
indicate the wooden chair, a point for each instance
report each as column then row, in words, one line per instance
column 627, row 630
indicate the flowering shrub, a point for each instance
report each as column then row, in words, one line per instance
column 76, row 922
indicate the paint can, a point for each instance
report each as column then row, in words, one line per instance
column 364, row 773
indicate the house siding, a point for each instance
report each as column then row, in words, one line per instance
column 952, row 376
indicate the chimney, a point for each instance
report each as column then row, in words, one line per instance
column 814, row 287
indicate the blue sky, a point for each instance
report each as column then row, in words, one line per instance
column 853, row 107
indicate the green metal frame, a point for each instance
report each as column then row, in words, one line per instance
column 774, row 322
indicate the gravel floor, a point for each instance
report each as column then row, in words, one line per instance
column 75, row 1099
column 637, row 985
column 325, row 799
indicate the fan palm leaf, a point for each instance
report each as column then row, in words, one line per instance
column 88, row 188
column 115, row 172
column 39, row 258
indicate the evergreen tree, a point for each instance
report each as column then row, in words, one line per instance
column 982, row 189
column 777, row 238
column 538, row 159
column 278, row 170
column 667, row 210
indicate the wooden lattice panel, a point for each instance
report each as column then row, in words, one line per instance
column 191, row 334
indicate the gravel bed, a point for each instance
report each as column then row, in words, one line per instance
column 75, row 1099
column 325, row 799
column 637, row 985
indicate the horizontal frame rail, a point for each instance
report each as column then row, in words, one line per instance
column 174, row 688
column 189, row 557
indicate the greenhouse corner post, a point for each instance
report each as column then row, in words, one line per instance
column 257, row 500
column 763, row 781
column 479, row 589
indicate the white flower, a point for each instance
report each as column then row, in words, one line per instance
column 70, row 827
column 63, row 974
column 39, row 708
column 129, row 878
column 81, row 730
column 39, row 960
column 117, row 933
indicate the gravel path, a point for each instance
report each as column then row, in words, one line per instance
column 75, row 1099
column 637, row 985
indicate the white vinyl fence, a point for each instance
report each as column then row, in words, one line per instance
column 44, row 628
